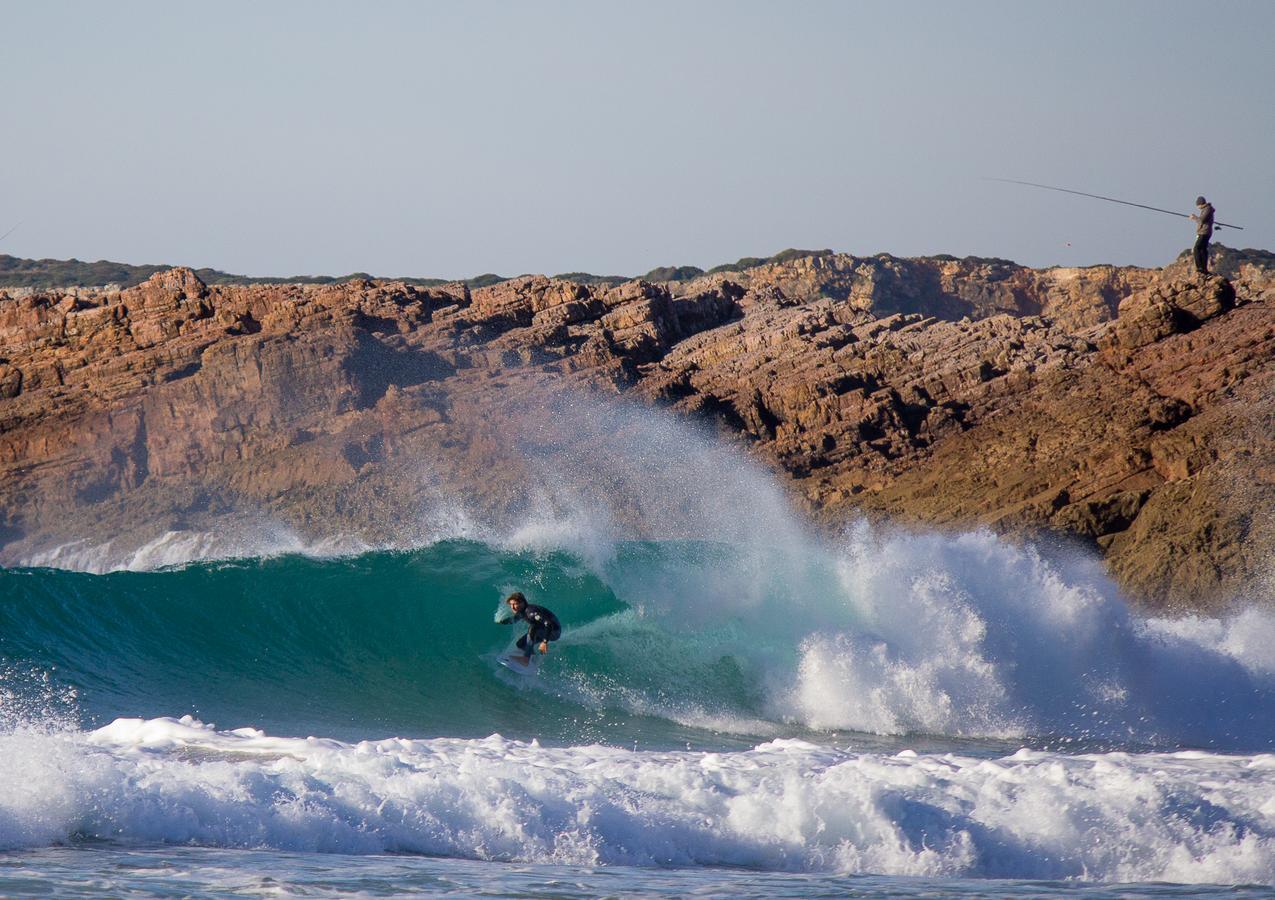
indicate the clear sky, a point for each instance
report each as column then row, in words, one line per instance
column 450, row 138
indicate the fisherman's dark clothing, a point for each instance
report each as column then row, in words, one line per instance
column 542, row 625
column 1203, row 234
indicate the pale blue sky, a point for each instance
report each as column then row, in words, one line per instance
column 457, row 138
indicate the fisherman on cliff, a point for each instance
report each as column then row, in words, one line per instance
column 1203, row 233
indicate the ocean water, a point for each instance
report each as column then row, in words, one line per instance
column 737, row 707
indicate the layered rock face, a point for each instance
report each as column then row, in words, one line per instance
column 1127, row 409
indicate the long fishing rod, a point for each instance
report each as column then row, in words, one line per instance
column 9, row 232
column 1050, row 187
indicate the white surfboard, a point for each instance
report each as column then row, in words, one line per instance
column 512, row 658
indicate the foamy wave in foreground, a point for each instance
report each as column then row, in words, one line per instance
column 785, row 805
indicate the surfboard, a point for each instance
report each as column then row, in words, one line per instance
column 511, row 659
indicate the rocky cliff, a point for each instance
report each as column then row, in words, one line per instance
column 1128, row 410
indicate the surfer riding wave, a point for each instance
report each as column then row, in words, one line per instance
column 542, row 625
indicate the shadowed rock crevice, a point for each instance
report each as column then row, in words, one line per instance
column 373, row 367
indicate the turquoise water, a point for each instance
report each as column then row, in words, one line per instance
column 390, row 643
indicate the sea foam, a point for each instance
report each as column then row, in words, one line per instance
column 784, row 805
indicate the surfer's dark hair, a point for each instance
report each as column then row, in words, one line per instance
column 516, row 595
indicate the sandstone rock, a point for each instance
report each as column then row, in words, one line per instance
column 1172, row 306
column 10, row 382
column 947, row 288
column 1098, row 518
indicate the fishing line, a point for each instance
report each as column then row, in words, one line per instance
column 1050, row 187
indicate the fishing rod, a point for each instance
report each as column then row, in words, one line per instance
column 9, row 232
column 1050, row 187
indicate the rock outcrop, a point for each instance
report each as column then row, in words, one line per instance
column 1128, row 409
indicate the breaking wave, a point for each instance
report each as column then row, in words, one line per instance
column 888, row 634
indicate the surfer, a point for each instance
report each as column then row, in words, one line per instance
column 542, row 625
column 1203, row 233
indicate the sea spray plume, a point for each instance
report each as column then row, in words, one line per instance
column 638, row 473
column 606, row 471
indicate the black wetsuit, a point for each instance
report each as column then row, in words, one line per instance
column 542, row 625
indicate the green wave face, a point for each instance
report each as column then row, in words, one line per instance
column 401, row 643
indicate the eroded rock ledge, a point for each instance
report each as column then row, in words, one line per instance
column 1129, row 409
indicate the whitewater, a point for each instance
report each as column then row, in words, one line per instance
column 739, row 704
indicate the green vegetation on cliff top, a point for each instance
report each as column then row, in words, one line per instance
column 65, row 273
